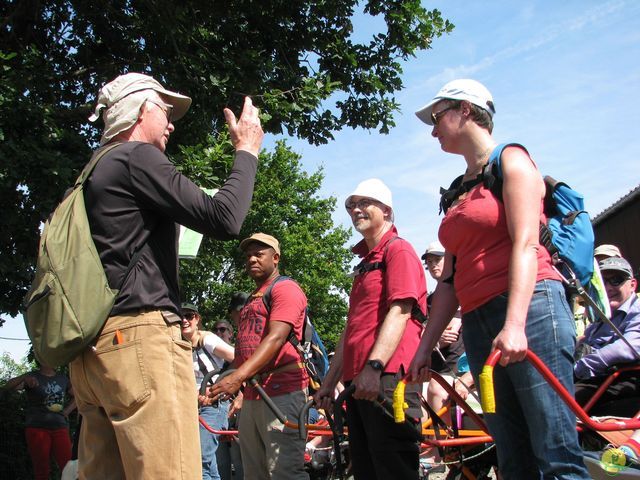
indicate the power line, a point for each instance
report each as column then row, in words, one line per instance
column 20, row 339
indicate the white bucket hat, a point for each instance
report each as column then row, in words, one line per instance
column 461, row 89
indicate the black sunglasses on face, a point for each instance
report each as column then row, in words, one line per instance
column 220, row 329
column 616, row 280
column 436, row 116
column 189, row 316
column 361, row 204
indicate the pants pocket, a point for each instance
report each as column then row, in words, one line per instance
column 124, row 380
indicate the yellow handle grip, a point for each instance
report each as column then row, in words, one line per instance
column 487, row 393
column 399, row 405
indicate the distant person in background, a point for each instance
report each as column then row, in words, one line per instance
column 209, row 353
column 433, row 259
column 444, row 359
column 236, row 304
column 601, row 350
column 228, row 454
column 46, row 421
column 224, row 330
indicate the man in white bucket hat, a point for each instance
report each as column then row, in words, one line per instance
column 386, row 309
column 134, row 389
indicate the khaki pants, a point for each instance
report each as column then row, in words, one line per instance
column 270, row 451
column 139, row 407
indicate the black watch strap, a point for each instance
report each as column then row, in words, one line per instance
column 376, row 365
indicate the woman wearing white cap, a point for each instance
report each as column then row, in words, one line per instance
column 511, row 297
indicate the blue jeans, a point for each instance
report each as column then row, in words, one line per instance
column 216, row 418
column 534, row 430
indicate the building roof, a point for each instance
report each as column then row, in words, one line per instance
column 632, row 196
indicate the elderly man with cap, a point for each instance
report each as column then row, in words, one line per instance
column 387, row 304
column 269, row 450
column 602, row 349
column 134, row 388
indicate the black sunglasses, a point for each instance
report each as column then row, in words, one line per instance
column 616, row 280
column 436, row 116
column 361, row 204
column 189, row 316
column 220, row 329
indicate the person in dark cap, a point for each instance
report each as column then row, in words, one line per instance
column 135, row 388
column 228, row 453
column 210, row 353
column 602, row 349
column 236, row 304
column 269, row 450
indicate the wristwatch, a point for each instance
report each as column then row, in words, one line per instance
column 376, row 365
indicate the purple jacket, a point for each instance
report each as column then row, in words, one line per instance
column 608, row 349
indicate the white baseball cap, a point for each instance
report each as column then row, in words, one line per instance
column 434, row 248
column 461, row 89
column 372, row 188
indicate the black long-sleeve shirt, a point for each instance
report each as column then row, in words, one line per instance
column 135, row 194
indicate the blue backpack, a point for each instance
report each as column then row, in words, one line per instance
column 568, row 235
column 310, row 347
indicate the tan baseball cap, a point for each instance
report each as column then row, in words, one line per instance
column 261, row 238
column 607, row 250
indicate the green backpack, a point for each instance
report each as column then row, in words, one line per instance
column 69, row 299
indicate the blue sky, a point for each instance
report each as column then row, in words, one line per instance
column 565, row 77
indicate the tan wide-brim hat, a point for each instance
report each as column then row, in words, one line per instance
column 129, row 83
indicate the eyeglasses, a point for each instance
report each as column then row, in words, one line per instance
column 189, row 316
column 616, row 280
column 165, row 107
column 436, row 116
column 220, row 329
column 360, row 204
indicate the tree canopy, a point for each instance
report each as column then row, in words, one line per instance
column 302, row 62
column 286, row 204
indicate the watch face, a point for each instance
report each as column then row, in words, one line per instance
column 376, row 365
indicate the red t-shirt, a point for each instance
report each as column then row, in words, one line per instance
column 288, row 304
column 475, row 232
column 371, row 296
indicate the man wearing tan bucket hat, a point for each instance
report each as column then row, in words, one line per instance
column 134, row 389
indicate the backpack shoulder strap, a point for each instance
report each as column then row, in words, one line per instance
column 364, row 267
column 492, row 172
column 266, row 300
column 266, row 296
column 416, row 311
column 95, row 158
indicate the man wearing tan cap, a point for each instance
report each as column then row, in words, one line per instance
column 269, row 450
column 134, row 389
